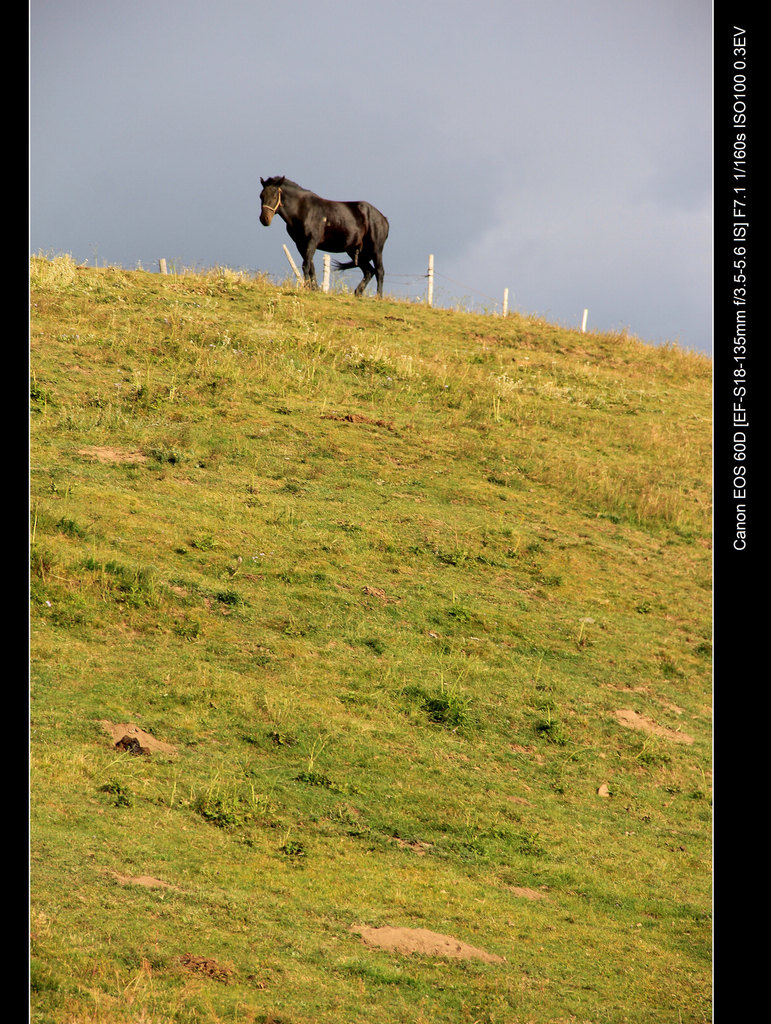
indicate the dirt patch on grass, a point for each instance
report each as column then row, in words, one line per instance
column 634, row 720
column 380, row 594
column 146, row 881
column 422, row 941
column 525, row 893
column 112, row 455
column 355, row 417
column 416, row 845
column 119, row 731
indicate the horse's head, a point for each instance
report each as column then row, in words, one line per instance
column 270, row 198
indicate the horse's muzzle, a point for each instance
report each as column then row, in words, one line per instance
column 266, row 216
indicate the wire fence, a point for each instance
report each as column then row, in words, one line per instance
column 429, row 277
column 419, row 287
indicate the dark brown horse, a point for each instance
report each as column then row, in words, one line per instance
column 315, row 223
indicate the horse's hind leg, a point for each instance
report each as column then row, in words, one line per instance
column 379, row 273
column 369, row 271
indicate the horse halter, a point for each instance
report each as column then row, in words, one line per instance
column 273, row 209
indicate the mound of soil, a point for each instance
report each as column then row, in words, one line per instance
column 207, row 966
column 420, row 940
column 124, row 733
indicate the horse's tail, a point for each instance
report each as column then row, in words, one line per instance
column 343, row 266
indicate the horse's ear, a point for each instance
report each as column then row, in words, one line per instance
column 262, row 180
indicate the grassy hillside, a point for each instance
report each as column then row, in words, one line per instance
column 406, row 614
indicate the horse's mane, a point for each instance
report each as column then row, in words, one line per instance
column 284, row 182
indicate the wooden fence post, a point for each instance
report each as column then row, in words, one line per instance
column 325, row 279
column 292, row 264
column 162, row 265
column 583, row 322
column 430, row 294
column 505, row 301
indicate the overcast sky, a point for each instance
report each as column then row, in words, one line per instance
column 557, row 148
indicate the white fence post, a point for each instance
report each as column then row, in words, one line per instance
column 292, row 264
column 583, row 322
column 505, row 301
column 430, row 294
column 325, row 279
column 162, row 265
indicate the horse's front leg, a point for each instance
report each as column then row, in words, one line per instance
column 309, row 270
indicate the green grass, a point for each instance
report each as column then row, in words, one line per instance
column 381, row 576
